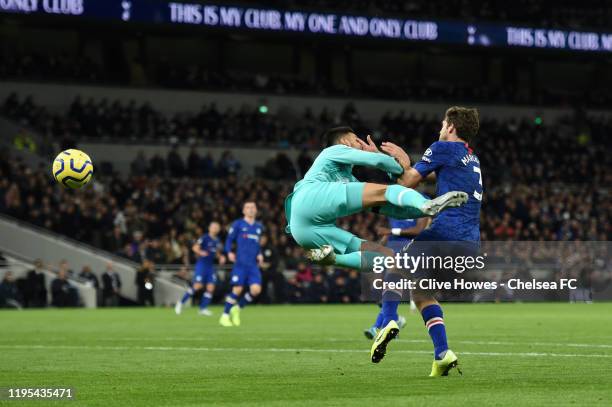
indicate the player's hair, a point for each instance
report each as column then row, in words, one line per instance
column 333, row 135
column 465, row 120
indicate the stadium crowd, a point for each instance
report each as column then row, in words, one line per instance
column 113, row 120
column 549, row 184
column 61, row 68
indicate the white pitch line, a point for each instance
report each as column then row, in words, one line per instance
column 349, row 340
column 290, row 350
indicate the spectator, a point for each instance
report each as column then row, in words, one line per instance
column 304, row 274
column 194, row 164
column 183, row 275
column 35, row 294
column 63, row 294
column 145, row 280
column 279, row 167
column 89, row 277
column 139, row 165
column 270, row 273
column 353, row 286
column 9, row 295
column 207, row 166
column 175, row 163
column 63, row 266
column 24, row 141
column 304, row 162
column 228, row 165
column 338, row 289
column 295, row 291
column 318, row 291
column 111, row 286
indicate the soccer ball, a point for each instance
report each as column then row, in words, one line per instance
column 72, row 168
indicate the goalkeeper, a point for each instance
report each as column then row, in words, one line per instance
column 329, row 191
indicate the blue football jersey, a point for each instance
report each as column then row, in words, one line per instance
column 246, row 236
column 457, row 168
column 209, row 245
column 401, row 224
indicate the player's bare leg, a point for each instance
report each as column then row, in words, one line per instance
column 374, row 195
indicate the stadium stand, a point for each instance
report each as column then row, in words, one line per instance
column 51, row 68
column 157, row 210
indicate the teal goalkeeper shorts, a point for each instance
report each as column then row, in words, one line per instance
column 312, row 212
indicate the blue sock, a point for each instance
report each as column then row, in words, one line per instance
column 434, row 321
column 379, row 320
column 187, row 295
column 389, row 311
column 404, row 197
column 230, row 301
column 246, row 299
column 206, row 299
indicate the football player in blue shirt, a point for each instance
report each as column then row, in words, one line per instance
column 206, row 249
column 398, row 235
column 245, row 234
column 456, row 168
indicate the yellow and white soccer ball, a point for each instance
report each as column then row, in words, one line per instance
column 72, row 168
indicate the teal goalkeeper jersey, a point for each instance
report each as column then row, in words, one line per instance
column 335, row 164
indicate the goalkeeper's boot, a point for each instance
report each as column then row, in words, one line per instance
column 450, row 199
column 443, row 366
column 385, row 335
column 235, row 315
column 225, row 320
column 370, row 333
column 324, row 256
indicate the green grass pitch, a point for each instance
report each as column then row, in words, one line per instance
column 510, row 354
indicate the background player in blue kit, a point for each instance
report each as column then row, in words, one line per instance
column 206, row 248
column 397, row 236
column 455, row 231
column 245, row 234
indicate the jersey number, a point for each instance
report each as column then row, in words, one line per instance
column 478, row 195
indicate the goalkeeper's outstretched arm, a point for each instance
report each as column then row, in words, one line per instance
column 348, row 155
